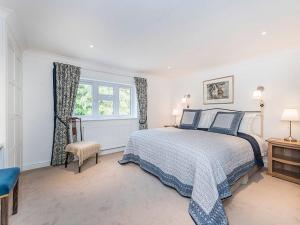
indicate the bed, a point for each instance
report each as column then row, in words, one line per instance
column 204, row 166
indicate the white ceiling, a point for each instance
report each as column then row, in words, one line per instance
column 150, row 35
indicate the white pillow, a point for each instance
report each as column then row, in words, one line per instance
column 206, row 118
column 262, row 144
column 247, row 123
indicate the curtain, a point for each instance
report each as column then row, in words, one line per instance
column 65, row 84
column 141, row 90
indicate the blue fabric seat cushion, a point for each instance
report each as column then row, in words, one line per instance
column 8, row 178
column 227, row 122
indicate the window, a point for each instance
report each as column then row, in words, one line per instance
column 100, row 100
column 106, row 100
column 84, row 100
column 124, row 101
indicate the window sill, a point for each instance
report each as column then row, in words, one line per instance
column 107, row 119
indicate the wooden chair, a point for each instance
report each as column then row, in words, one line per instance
column 82, row 149
column 9, row 182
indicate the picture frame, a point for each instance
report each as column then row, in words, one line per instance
column 219, row 90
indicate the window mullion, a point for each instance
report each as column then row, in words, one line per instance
column 106, row 97
column 95, row 99
column 116, row 100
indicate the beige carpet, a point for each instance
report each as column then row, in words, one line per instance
column 111, row 194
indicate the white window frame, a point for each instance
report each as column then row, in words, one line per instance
column 115, row 98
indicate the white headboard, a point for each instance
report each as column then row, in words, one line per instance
column 258, row 124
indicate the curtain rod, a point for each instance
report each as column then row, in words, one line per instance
column 112, row 73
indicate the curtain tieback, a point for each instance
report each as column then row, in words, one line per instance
column 143, row 121
column 63, row 122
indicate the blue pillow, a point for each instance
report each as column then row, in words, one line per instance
column 190, row 119
column 227, row 122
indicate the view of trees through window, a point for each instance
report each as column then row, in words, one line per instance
column 110, row 99
column 84, row 100
column 105, row 90
column 106, row 107
column 106, row 103
column 124, row 99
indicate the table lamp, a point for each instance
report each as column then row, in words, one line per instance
column 175, row 113
column 290, row 115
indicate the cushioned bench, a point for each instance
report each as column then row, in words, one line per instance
column 9, row 180
column 82, row 149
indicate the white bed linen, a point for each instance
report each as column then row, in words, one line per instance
column 199, row 164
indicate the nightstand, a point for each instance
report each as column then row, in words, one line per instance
column 284, row 159
column 176, row 126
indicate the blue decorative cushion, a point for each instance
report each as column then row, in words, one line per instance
column 8, row 178
column 190, row 119
column 227, row 122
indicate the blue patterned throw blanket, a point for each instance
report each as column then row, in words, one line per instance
column 198, row 164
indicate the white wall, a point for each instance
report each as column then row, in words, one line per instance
column 279, row 73
column 2, row 88
column 38, row 108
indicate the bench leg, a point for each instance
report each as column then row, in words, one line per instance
column 96, row 158
column 15, row 198
column 79, row 169
column 4, row 210
column 66, row 161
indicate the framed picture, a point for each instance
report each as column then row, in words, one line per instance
column 218, row 91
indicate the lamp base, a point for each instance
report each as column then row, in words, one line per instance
column 290, row 139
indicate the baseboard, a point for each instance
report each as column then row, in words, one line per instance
column 112, row 150
column 35, row 165
column 47, row 163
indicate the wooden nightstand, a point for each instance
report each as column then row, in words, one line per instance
column 284, row 159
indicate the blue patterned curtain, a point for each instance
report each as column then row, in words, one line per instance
column 65, row 84
column 141, row 90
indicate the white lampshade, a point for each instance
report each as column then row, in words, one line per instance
column 175, row 112
column 257, row 94
column 290, row 115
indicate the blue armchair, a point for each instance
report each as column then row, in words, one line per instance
column 9, row 181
